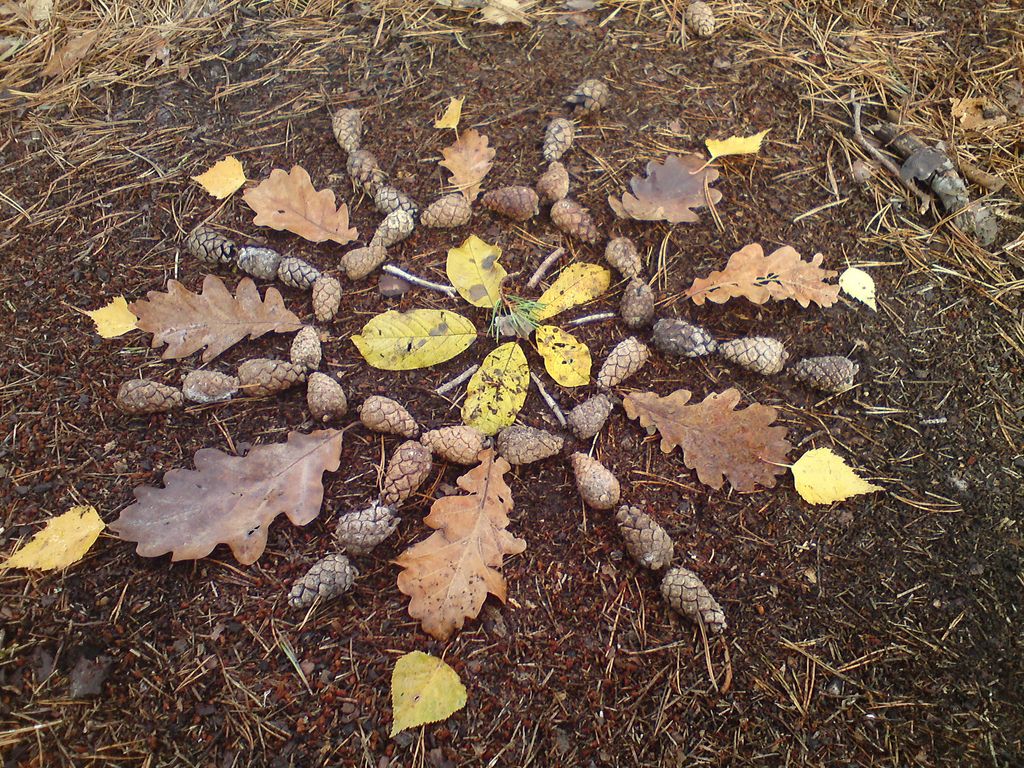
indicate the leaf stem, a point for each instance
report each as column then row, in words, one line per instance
column 599, row 317
column 548, row 399
column 450, row 385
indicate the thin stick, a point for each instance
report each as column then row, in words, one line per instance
column 391, row 269
column 600, row 316
column 544, row 267
column 449, row 386
column 549, row 400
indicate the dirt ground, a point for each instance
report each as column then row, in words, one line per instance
column 883, row 631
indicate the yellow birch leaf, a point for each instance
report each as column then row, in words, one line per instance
column 424, row 690
column 821, row 477
column 474, row 270
column 578, row 284
column 452, row 115
column 858, row 284
column 223, row 179
column 566, row 359
column 115, row 319
column 419, row 338
column 735, row 145
column 496, row 393
column 63, row 541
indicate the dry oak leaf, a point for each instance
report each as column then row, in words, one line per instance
column 670, row 192
column 231, row 499
column 71, row 54
column 717, row 441
column 779, row 275
column 187, row 321
column 468, row 160
column 449, row 574
column 288, row 201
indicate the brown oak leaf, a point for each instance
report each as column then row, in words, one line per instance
column 231, row 499
column 288, row 201
column 449, row 574
column 780, row 275
column 717, row 441
column 187, row 322
column 468, row 159
column 670, row 192
column 71, row 54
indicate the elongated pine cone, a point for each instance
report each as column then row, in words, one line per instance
column 447, row 212
column 558, row 138
column 326, row 298
column 627, row 357
column 756, row 353
column 831, row 373
column 357, row 533
column 306, row 351
column 516, row 203
column 459, row 445
column 210, row 246
column 388, row 199
column 646, row 541
column 624, row 257
column 590, row 96
column 589, row 417
column 595, row 482
column 382, row 414
column 296, row 273
column 686, row 593
column 360, row 262
column 258, row 261
column 396, row 226
column 678, row 337
column 328, row 577
column 139, row 396
column 347, row 125
column 525, row 445
column 409, row 467
column 262, row 376
column 325, row 397
column 574, row 220
column 700, row 19
column 553, row 185
column 364, row 171
column 208, row 387
column 637, row 308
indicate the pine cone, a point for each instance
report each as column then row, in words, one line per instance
column 396, row 226
column 558, row 138
column 382, row 414
column 596, row 484
column 459, row 445
column 357, row 533
column 388, row 199
column 678, row 337
column 517, row 203
column 831, row 373
column 553, row 185
column 525, row 445
column 628, row 357
column 646, row 541
column 296, row 273
column 623, row 256
column 325, row 397
column 326, row 298
column 347, row 125
column 589, row 417
column 447, row 212
column 330, row 576
column 686, row 593
column 139, row 396
column 409, row 467
column 573, row 219
column 306, row 351
column 360, row 262
column 210, row 246
column 364, row 171
column 700, row 19
column 756, row 353
column 637, row 306
column 260, row 262
column 261, row 376
column 590, row 96
column 208, row 387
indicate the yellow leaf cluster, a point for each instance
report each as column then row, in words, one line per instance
column 858, row 284
column 566, row 359
column 115, row 319
column 735, row 145
column 577, row 284
column 63, row 541
column 452, row 115
column 424, row 690
column 419, row 338
column 474, row 269
column 497, row 391
column 821, row 477
column 223, row 179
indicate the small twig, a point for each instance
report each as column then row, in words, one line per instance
column 544, row 267
column 450, row 385
column 600, row 316
column 391, row 269
column 549, row 400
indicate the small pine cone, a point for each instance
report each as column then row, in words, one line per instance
column 459, row 445
column 646, row 541
column 330, row 576
column 139, row 396
column 678, row 337
column 306, row 351
column 409, row 466
column 261, row 376
column 553, row 185
column 517, row 203
column 447, row 212
column 396, row 226
column 357, row 533
column 296, row 273
column 589, row 417
column 210, row 246
column 637, row 308
column 347, row 125
column 208, row 387
column 525, row 445
column 364, row 171
column 325, row 397
column 624, row 257
column 360, row 262
column 590, row 96
column 831, row 373
column 756, row 353
column 326, row 298
column 628, row 357
column 700, row 19
column 573, row 219
column 558, row 138
column 596, row 484
column 686, row 593
column 388, row 199
column 260, row 262
column 382, row 414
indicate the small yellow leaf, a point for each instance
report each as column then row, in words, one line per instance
column 223, row 179
column 115, row 319
column 424, row 690
column 63, row 541
column 566, row 359
column 821, row 477
column 578, row 284
column 735, row 145
column 859, row 285
column 496, row 393
column 452, row 115
column 476, row 273
column 419, row 338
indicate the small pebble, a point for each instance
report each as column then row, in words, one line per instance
column 391, row 286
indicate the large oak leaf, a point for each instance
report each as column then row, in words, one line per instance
column 288, row 201
column 468, row 159
column 670, row 192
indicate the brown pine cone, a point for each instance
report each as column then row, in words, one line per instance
column 260, row 262
column 325, row 397
column 347, row 125
column 330, row 576
column 208, row 387
column 558, row 138
column 628, row 357
column 596, row 484
column 357, row 533
column 360, row 262
column 646, row 541
column 590, row 96
column 516, row 203
column 574, row 220
column 459, row 445
column 678, row 337
column 447, row 212
column 396, row 226
column 525, row 445
column 756, row 353
column 637, row 308
column 553, row 185
column 388, row 199
column 210, row 246
column 686, row 593
column 700, row 19
column 261, row 376
column 306, row 351
column 624, row 257
column 326, row 298
column 364, row 171
column 382, row 414
column 590, row 416
column 139, row 396
column 409, row 466
column 296, row 273
column 831, row 373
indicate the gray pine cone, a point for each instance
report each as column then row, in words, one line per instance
column 347, row 125
column 590, row 96
column 831, row 373
column 574, row 220
column 388, row 199
column 459, row 445
column 296, row 273
column 756, row 353
column 328, row 577
column 262, row 376
column 558, row 138
column 326, row 298
column 395, row 227
column 360, row 262
column 382, row 414
column 553, row 185
column 525, row 445
column 589, row 417
column 646, row 541
column 258, row 261
column 637, row 307
column 357, row 533
column 364, row 171
column 700, row 19
column 209, row 387
column 447, row 212
column 686, row 593
column 598, row 487
column 210, row 246
column 516, row 203
column 325, row 397
column 142, row 396
column 410, row 465
column 678, row 337
column 306, row 351
column 624, row 257
column 628, row 357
